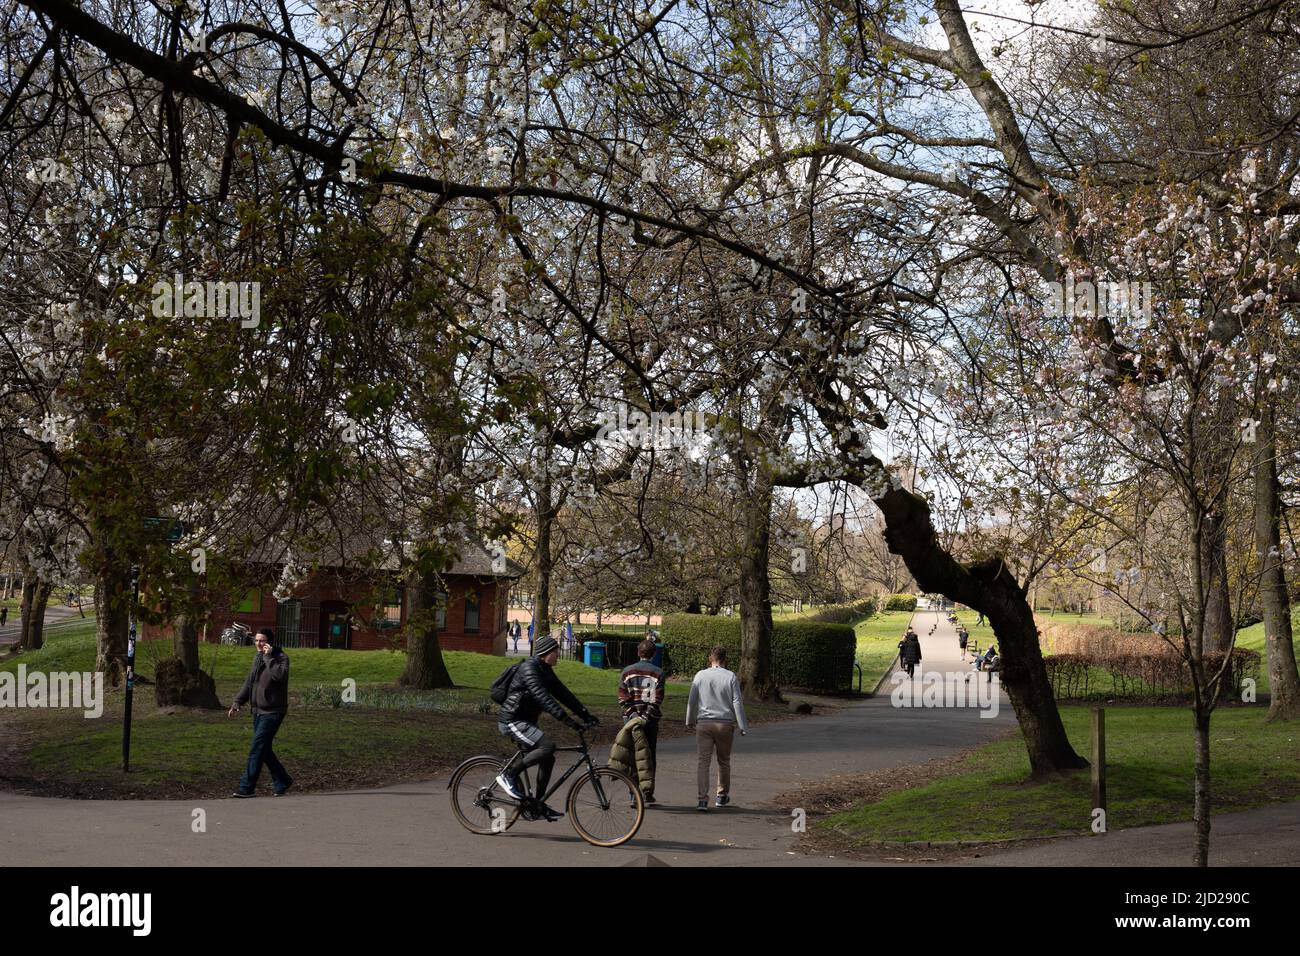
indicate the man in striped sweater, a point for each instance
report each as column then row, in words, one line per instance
column 641, row 694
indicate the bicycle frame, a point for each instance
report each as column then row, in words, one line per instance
column 584, row 759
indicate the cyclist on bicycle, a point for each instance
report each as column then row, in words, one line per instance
column 536, row 687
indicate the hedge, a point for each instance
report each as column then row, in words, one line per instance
column 845, row 613
column 901, row 602
column 1141, row 675
column 818, row 655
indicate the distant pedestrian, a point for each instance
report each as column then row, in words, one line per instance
column 641, row 694
column 715, row 708
column 267, row 687
column 515, row 631
column 962, row 639
column 909, row 652
column 4, row 615
column 981, row 619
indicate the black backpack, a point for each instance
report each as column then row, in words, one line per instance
column 500, row 689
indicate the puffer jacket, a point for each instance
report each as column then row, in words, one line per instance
column 632, row 750
column 536, row 687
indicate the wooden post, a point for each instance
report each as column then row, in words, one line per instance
column 1099, row 759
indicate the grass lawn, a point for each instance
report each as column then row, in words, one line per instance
column 878, row 639
column 386, row 737
column 1149, row 764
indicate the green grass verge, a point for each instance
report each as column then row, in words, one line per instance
column 878, row 638
column 1149, row 781
column 385, row 738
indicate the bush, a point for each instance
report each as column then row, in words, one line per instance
column 901, row 602
column 845, row 613
column 1140, row 671
column 808, row 653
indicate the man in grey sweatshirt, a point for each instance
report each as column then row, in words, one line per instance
column 715, row 708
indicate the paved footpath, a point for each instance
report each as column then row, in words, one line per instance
column 412, row 824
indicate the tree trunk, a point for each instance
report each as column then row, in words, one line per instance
column 178, row 681
column 32, row 636
column 755, row 669
column 113, row 607
column 25, row 603
column 1220, row 628
column 545, row 515
column 425, row 668
column 1201, row 794
column 988, row 587
column 1279, row 647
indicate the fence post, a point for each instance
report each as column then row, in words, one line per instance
column 1099, row 761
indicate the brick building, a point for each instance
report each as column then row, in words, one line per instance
column 348, row 608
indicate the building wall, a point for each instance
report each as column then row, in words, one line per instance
column 359, row 591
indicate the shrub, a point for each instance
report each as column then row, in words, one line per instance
column 845, row 613
column 805, row 653
column 901, row 602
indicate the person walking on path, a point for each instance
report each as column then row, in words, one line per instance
column 267, row 686
column 514, row 634
column 4, row 615
column 909, row 652
column 641, row 694
column 715, row 708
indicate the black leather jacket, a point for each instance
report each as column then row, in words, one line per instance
column 537, row 687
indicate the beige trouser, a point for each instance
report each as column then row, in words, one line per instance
column 711, row 734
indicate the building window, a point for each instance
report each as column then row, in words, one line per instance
column 289, row 624
column 440, row 614
column 250, row 603
column 390, row 610
column 471, row 612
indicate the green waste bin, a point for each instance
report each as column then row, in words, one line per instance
column 593, row 654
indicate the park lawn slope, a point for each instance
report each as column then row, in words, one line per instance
column 1149, row 781
column 388, row 736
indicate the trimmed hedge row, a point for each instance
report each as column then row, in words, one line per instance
column 901, row 602
column 845, row 613
column 818, row 655
column 1141, row 675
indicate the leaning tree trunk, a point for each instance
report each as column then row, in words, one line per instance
column 425, row 667
column 113, row 607
column 755, row 670
column 1279, row 647
column 988, row 587
column 25, row 603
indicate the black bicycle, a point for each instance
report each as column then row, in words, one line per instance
column 604, row 805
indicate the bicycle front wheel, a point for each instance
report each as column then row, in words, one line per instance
column 605, row 807
column 478, row 801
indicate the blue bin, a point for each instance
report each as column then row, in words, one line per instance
column 658, row 659
column 593, row 654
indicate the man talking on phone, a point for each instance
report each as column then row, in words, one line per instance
column 267, row 687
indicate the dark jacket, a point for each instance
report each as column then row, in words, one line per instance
column 537, row 687
column 267, row 684
column 910, row 651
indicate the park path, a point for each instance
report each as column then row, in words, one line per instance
column 55, row 615
column 412, row 824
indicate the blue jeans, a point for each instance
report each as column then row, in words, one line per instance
column 264, row 728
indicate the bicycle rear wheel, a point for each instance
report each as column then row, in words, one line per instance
column 477, row 799
column 605, row 807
